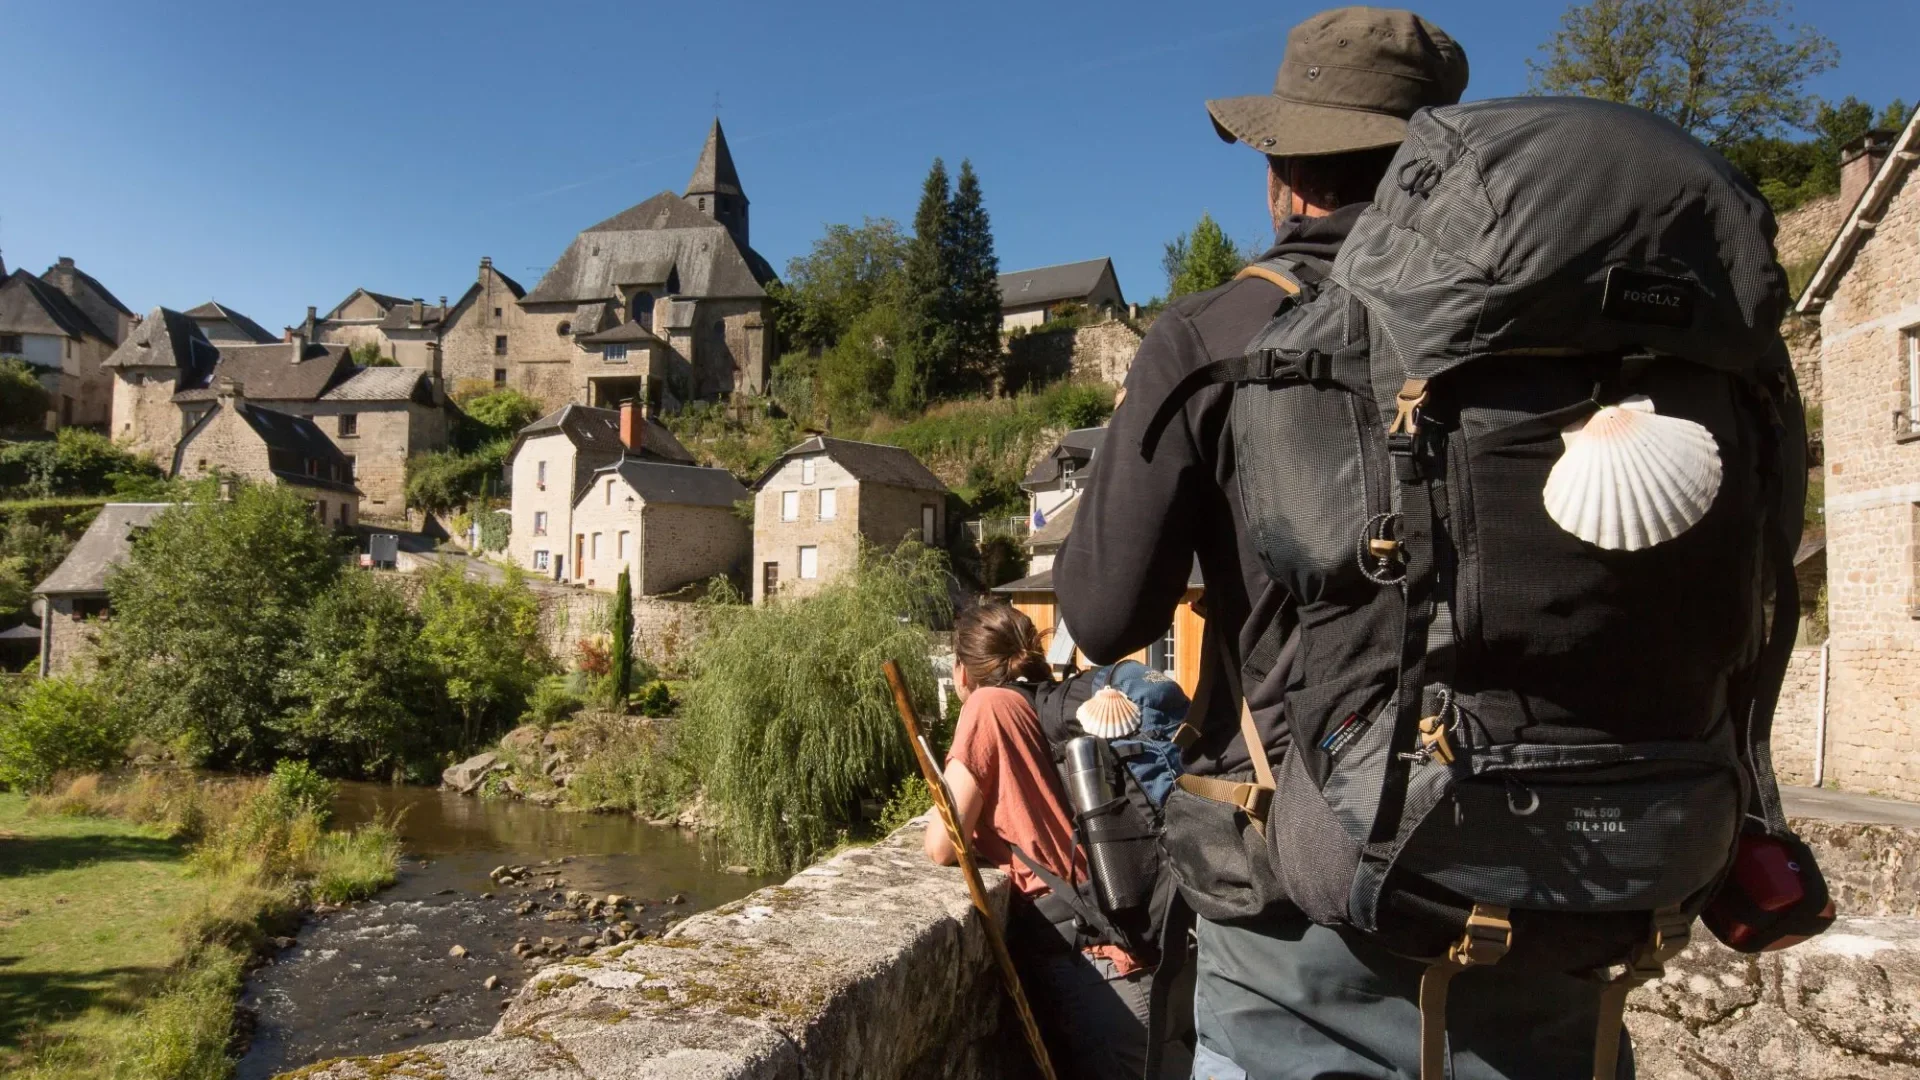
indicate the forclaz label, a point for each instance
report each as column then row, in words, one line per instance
column 1643, row 296
column 1601, row 820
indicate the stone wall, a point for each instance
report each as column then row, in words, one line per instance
column 873, row 965
column 686, row 545
column 836, row 540
column 1873, row 510
column 1100, row 352
column 1796, row 720
column 663, row 630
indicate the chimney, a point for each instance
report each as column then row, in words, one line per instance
column 419, row 312
column 66, row 262
column 633, row 427
column 486, row 263
column 1860, row 161
column 306, row 329
column 433, row 364
column 230, row 392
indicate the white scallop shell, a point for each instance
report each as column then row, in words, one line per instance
column 1631, row 478
column 1108, row 714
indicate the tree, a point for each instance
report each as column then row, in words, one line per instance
column 445, row 480
column 1200, row 260
column 975, row 273
column 860, row 372
column 788, row 719
column 927, row 298
column 502, row 413
column 361, row 694
column 368, row 354
column 1790, row 172
column 848, row 271
column 55, row 726
column 483, row 641
column 76, row 461
column 24, row 403
column 205, row 607
column 1724, row 70
column 622, row 619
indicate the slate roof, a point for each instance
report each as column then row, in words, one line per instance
column 168, row 338
column 214, row 311
column 29, row 305
column 598, row 431
column 625, row 332
column 673, row 484
column 1059, row 524
column 1050, row 284
column 401, row 317
column 100, row 306
column 269, row 373
column 1861, row 219
column 714, row 173
column 1078, row 446
column 869, row 462
column 387, row 303
column 383, row 384
column 103, row 546
column 661, row 235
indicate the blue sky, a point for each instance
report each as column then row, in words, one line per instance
column 276, row 155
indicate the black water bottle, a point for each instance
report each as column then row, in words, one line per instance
column 1120, row 853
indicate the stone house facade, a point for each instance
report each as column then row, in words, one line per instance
column 237, row 438
column 1055, row 480
column 1028, row 297
column 224, row 326
column 816, row 505
column 1866, row 295
column 549, row 466
column 73, row 598
column 668, row 525
column 64, row 324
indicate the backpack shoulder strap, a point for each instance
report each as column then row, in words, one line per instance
column 1278, row 270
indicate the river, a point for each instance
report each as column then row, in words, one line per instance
column 379, row 976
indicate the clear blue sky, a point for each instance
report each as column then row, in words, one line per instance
column 275, row 155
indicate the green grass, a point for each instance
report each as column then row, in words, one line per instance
column 95, row 918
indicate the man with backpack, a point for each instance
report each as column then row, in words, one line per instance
column 1487, row 464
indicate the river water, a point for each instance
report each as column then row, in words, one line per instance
column 378, row 976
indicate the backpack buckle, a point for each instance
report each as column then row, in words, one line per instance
column 1488, row 936
column 1260, row 366
column 1406, row 410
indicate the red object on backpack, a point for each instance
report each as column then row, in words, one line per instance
column 1774, row 898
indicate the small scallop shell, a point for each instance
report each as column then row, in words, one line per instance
column 1108, row 714
column 1631, row 478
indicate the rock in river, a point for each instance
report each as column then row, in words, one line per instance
column 465, row 777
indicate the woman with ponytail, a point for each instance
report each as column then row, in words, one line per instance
column 1091, row 1003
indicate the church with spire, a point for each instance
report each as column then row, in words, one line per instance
column 665, row 302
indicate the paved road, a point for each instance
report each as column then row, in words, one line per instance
column 1848, row 806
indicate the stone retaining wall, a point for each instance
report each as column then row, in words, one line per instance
column 1796, row 719
column 873, row 965
column 663, row 630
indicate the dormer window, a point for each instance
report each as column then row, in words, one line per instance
column 616, row 354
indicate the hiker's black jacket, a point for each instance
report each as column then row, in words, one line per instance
column 1141, row 525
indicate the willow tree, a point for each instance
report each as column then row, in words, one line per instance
column 788, row 721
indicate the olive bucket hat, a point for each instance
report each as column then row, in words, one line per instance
column 1349, row 80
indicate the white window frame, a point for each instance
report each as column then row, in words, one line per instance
column 1908, row 424
column 539, row 523
column 542, row 559
column 806, row 470
column 808, row 563
column 616, row 354
column 829, row 506
column 540, row 475
column 790, row 506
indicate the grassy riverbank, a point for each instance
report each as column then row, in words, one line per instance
column 129, row 913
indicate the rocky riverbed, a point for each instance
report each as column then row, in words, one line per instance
column 489, row 892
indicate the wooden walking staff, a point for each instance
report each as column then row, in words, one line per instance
column 969, row 867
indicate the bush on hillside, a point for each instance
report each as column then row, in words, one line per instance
column 76, row 461
column 207, row 606
column 24, row 403
column 503, row 413
column 444, row 480
column 788, row 719
column 483, row 642
column 57, row 726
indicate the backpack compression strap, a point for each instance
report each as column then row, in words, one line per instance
column 1259, row 366
column 1252, row 799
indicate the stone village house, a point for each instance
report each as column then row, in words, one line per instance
column 1028, row 297
column 819, row 501
column 669, row 525
column 75, row 594
column 665, row 301
column 1866, row 295
column 164, row 376
column 64, row 324
column 235, row 437
column 549, row 467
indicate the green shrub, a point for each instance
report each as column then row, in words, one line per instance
column 55, row 726
column 653, row 699
column 445, row 480
column 76, row 461
column 24, row 403
column 631, row 767
column 502, row 413
column 908, row 801
column 355, row 865
column 297, row 787
column 553, row 700
column 483, row 643
column 788, row 717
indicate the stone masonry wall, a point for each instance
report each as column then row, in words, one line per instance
column 663, row 630
column 1101, row 352
column 836, row 539
column 1873, row 511
column 1796, row 719
column 872, row 964
column 685, row 545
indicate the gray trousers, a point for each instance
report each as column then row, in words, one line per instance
column 1284, row 999
column 1094, row 1019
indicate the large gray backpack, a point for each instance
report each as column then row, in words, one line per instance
column 1529, row 465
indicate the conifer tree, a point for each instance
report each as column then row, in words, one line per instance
column 927, row 349
column 1200, row 260
column 976, row 290
column 621, row 676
